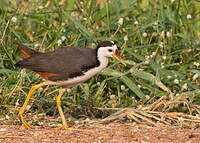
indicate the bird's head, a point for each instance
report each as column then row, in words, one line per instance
column 109, row 50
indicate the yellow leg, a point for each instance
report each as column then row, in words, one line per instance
column 21, row 111
column 64, row 123
column 61, row 92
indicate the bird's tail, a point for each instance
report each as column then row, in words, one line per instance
column 26, row 52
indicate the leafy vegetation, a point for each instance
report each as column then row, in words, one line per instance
column 158, row 39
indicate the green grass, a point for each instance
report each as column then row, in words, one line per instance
column 160, row 62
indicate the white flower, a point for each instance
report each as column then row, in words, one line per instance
column 147, row 97
column 123, row 87
column 164, row 57
column 144, row 34
column 189, row 16
column 120, row 21
column 169, row 76
column 162, row 35
column 196, row 64
column 85, row 18
column 133, row 97
column 168, row 34
column 40, row 89
column 139, row 85
column 63, row 24
column 162, row 65
column 14, row 19
column 81, row 3
column 136, row 22
column 17, row 103
column 172, row 1
column 155, row 23
column 98, row 83
column 28, row 107
column 161, row 44
column 112, row 96
column 126, row 38
column 176, row 81
column 59, row 42
column 146, row 62
column 153, row 53
column 68, row 90
column 41, row 7
column 7, row 117
column 185, row 86
column 63, row 38
column 195, row 76
column 36, row 45
column 147, row 57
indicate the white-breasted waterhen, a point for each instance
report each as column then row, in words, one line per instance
column 65, row 67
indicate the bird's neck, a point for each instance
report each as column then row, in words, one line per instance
column 103, row 61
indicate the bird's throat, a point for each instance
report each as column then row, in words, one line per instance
column 103, row 61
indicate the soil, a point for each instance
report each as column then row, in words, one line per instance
column 101, row 133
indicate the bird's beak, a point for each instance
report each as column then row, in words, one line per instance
column 117, row 57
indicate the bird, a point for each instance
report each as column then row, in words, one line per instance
column 65, row 67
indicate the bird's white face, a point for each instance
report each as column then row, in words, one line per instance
column 108, row 51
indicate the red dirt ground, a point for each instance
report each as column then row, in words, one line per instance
column 109, row 133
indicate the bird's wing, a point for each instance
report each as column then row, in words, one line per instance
column 62, row 63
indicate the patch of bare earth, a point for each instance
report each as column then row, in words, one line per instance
column 109, row 133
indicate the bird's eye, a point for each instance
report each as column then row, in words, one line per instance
column 110, row 50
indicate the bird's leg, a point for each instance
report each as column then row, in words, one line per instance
column 21, row 111
column 61, row 92
column 64, row 123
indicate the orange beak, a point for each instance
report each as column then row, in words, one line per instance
column 117, row 57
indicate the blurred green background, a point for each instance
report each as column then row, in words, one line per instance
column 158, row 39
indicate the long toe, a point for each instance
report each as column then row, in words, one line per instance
column 78, row 130
column 65, row 127
column 26, row 123
column 72, row 129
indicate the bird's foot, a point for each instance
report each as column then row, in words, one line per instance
column 65, row 127
column 26, row 123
